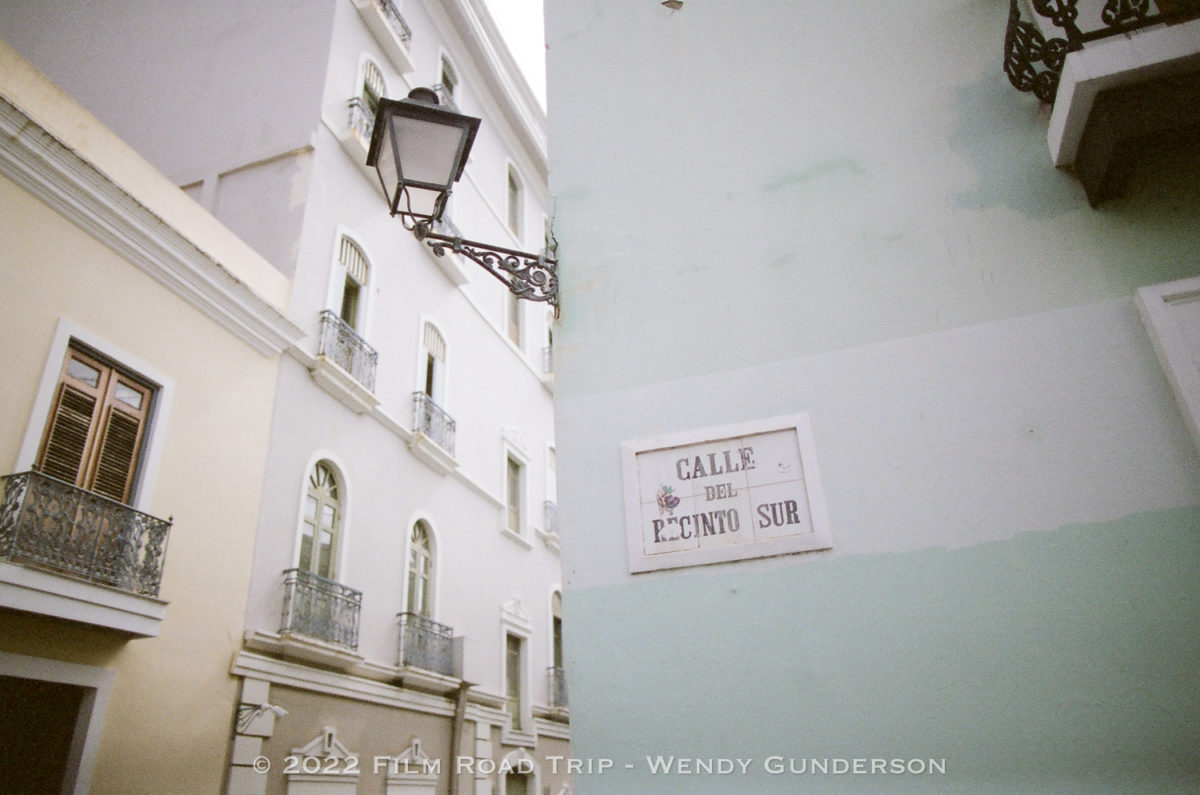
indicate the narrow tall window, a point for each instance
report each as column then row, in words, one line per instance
column 420, row 570
column 373, row 86
column 556, row 629
column 351, row 257
column 512, row 676
column 322, row 521
column 434, row 363
column 514, row 203
column 513, row 491
column 449, row 80
column 96, row 426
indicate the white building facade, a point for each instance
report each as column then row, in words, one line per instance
column 404, row 600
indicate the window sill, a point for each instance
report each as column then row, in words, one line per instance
column 47, row 593
column 517, row 539
column 549, row 539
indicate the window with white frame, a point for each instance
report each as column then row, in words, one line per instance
column 354, row 270
column 514, row 675
column 97, row 424
column 321, row 524
column 447, row 82
column 513, row 202
column 556, row 630
column 420, row 570
column 373, row 86
column 514, row 477
column 433, row 363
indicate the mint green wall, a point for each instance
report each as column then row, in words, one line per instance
column 1061, row 661
column 782, row 207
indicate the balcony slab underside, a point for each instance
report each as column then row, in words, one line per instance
column 33, row 590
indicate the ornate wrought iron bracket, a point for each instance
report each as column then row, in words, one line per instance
column 533, row 277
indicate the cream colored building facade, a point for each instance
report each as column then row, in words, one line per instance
column 142, row 342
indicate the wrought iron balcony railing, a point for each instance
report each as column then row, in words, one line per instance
column 424, row 643
column 1033, row 59
column 320, row 608
column 342, row 345
column 558, row 686
column 360, row 118
column 429, row 419
column 550, row 510
column 53, row 524
column 394, row 20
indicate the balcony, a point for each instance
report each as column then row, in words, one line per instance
column 433, row 433
column 389, row 29
column 548, row 360
column 427, row 645
column 345, row 364
column 1119, row 73
column 550, row 513
column 557, row 678
column 75, row 555
column 47, row 522
column 321, row 609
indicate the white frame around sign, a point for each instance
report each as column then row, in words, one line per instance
column 819, row 539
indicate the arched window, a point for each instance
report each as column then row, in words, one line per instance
column 322, row 521
column 420, row 570
column 354, row 286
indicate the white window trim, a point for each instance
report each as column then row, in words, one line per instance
column 419, row 376
column 361, row 75
column 343, row 536
column 1160, row 306
column 156, row 427
column 434, row 570
column 513, row 447
column 85, row 741
column 510, row 169
column 515, row 621
column 337, row 281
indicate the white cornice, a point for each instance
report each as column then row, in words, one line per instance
column 36, row 160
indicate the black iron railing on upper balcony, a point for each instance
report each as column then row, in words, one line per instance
column 1040, row 33
column 56, row 525
column 431, row 420
column 558, row 686
column 342, row 345
column 360, row 118
column 319, row 608
column 394, row 20
column 426, row 644
column 550, row 512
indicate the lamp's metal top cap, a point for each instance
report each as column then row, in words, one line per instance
column 423, row 94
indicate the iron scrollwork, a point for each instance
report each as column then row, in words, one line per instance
column 533, row 277
column 1026, row 46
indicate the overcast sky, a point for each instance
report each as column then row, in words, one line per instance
column 521, row 23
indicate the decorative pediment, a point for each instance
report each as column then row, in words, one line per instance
column 512, row 613
column 324, row 746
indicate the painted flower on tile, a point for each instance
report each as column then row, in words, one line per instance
column 666, row 501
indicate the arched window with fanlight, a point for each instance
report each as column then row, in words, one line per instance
column 420, row 570
column 322, row 522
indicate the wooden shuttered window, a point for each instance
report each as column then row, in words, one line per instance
column 96, row 427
